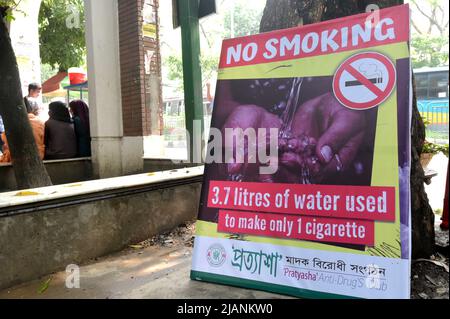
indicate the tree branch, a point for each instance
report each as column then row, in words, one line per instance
column 425, row 15
column 416, row 28
column 205, row 35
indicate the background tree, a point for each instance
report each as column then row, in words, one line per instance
column 174, row 65
column 28, row 168
column 280, row 14
column 240, row 21
column 213, row 29
column 429, row 41
column 62, row 33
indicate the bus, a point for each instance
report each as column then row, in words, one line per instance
column 432, row 99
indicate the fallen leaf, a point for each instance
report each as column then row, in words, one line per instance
column 423, row 295
column 136, row 246
column 151, row 174
column 74, row 185
column 27, row 193
column 431, row 280
column 441, row 256
column 441, row 291
column 45, row 285
column 438, row 263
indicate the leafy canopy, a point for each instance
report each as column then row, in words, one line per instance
column 174, row 65
column 246, row 21
column 429, row 51
column 430, row 38
column 7, row 8
column 61, row 32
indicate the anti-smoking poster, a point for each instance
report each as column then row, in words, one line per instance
column 306, row 186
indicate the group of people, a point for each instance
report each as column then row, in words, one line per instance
column 66, row 134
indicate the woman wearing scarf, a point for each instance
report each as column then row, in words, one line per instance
column 60, row 139
column 80, row 116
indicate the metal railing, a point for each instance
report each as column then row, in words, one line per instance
column 175, row 121
column 435, row 113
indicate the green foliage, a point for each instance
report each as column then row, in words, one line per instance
column 61, row 31
column 209, row 66
column 47, row 71
column 7, row 9
column 429, row 51
column 246, row 21
column 174, row 64
column 8, row 3
column 433, row 148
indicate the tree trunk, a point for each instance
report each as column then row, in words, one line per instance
column 29, row 170
column 280, row 14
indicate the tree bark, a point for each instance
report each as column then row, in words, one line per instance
column 280, row 14
column 29, row 170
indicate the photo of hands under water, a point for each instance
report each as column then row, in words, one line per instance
column 320, row 141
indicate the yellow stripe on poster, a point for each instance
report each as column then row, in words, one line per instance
column 385, row 172
column 323, row 65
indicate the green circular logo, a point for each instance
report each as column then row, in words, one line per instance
column 216, row 255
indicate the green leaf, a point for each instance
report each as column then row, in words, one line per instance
column 62, row 43
column 45, row 285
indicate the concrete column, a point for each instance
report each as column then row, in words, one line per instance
column 112, row 154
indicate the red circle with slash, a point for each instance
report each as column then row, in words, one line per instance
column 364, row 80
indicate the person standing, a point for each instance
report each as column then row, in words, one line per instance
column 60, row 138
column 80, row 116
column 31, row 100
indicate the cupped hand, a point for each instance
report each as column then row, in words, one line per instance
column 326, row 138
column 241, row 164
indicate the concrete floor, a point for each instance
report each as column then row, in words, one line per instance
column 153, row 272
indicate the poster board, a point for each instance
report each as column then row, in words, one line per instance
column 149, row 20
column 333, row 218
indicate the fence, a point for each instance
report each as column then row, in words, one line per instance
column 175, row 121
column 435, row 112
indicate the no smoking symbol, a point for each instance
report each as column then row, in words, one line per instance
column 364, row 80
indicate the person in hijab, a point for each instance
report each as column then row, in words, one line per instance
column 80, row 117
column 60, row 138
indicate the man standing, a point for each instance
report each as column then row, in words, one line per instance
column 31, row 100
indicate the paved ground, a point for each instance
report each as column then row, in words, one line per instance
column 160, row 266
column 151, row 272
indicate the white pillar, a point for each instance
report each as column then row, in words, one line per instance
column 112, row 154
